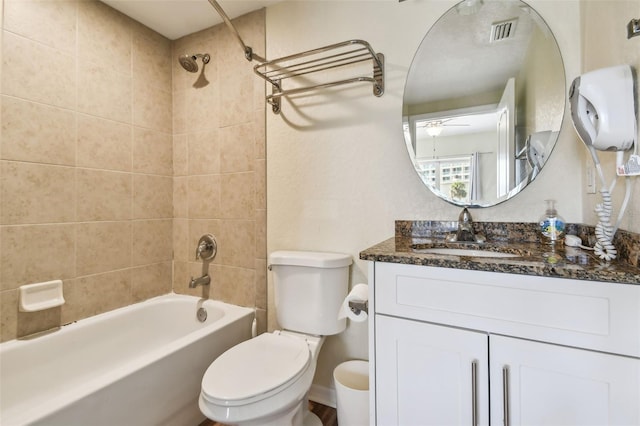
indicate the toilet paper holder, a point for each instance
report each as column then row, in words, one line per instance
column 358, row 306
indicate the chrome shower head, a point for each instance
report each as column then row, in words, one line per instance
column 189, row 63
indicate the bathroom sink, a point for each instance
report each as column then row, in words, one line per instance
column 466, row 252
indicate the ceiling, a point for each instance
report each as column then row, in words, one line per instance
column 177, row 18
column 457, row 58
column 472, row 123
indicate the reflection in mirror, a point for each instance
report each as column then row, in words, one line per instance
column 483, row 102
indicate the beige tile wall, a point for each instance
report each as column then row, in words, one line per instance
column 85, row 160
column 112, row 164
column 219, row 183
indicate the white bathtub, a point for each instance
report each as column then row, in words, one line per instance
column 135, row 366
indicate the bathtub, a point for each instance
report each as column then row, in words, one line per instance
column 139, row 365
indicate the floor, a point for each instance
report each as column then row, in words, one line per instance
column 328, row 415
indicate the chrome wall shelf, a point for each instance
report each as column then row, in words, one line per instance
column 312, row 61
column 326, row 58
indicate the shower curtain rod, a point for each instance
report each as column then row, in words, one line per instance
column 248, row 52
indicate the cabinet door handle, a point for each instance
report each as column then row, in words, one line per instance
column 474, row 392
column 505, row 394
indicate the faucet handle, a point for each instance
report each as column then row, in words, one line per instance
column 465, row 216
column 207, row 247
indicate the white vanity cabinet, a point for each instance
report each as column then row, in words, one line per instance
column 429, row 374
column 536, row 383
column 458, row 347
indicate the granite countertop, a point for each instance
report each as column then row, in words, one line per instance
column 533, row 257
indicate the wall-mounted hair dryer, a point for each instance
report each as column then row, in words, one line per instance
column 603, row 109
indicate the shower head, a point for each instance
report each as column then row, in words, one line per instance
column 189, row 63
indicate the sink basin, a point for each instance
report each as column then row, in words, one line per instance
column 466, row 252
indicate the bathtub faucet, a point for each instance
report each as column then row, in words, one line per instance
column 203, row 280
column 205, row 251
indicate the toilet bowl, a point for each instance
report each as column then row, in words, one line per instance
column 265, row 381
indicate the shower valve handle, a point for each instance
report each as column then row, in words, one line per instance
column 207, row 247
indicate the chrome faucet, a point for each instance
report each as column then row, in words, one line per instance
column 206, row 250
column 203, row 280
column 465, row 227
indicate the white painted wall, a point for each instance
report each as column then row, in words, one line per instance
column 604, row 49
column 338, row 173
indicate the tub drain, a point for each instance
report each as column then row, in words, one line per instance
column 202, row 314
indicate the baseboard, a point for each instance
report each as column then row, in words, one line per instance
column 323, row 395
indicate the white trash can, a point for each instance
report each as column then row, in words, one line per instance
column 352, row 393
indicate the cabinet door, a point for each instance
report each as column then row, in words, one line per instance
column 542, row 384
column 429, row 375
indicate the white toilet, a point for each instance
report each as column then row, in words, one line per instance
column 264, row 381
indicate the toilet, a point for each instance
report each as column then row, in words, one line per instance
column 264, row 381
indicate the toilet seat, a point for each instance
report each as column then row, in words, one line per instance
column 255, row 369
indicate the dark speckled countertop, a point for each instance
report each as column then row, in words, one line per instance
column 521, row 239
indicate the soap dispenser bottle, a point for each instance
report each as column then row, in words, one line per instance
column 551, row 225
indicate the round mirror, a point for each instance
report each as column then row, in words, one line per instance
column 484, row 101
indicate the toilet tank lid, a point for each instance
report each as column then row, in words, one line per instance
column 315, row 259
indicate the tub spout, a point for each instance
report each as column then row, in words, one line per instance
column 203, row 280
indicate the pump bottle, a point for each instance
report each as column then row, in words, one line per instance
column 551, row 225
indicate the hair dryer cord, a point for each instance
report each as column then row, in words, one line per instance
column 604, row 247
column 605, row 231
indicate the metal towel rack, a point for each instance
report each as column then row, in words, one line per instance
column 312, row 61
column 322, row 59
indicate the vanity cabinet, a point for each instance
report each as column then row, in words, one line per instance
column 544, row 384
column 457, row 347
column 429, row 374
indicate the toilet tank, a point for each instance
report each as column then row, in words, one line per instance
column 309, row 288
